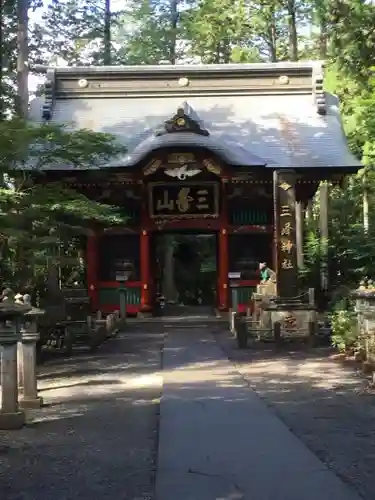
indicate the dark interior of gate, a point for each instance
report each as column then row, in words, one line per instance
column 221, row 163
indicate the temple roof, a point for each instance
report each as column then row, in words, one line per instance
column 272, row 115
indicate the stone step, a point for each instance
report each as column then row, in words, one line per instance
column 177, row 318
column 178, row 323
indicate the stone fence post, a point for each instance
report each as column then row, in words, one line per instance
column 29, row 339
column 365, row 309
column 19, row 300
column 109, row 322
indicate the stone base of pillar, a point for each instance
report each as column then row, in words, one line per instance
column 11, row 421
column 30, row 403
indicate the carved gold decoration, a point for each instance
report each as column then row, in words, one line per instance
column 290, row 321
column 122, row 178
column 183, row 82
column 152, row 167
column 183, row 172
column 284, row 80
column 185, row 120
column 181, row 158
column 285, row 186
column 82, row 83
column 211, row 166
column 183, row 166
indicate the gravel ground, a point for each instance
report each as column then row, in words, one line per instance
column 327, row 405
column 96, row 438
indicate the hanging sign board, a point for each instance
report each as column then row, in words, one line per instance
column 184, row 199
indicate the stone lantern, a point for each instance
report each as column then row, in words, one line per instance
column 11, row 417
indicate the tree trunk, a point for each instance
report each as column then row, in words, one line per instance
column 272, row 36
column 321, row 12
column 309, row 210
column 107, row 33
column 1, row 66
column 292, row 26
column 173, row 37
column 323, row 39
column 22, row 266
column 22, row 98
column 227, row 51
column 323, row 207
column 365, row 207
column 272, row 42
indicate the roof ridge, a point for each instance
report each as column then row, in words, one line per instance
column 186, row 68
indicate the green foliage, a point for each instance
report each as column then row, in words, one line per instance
column 352, row 36
column 37, row 217
column 149, row 32
column 217, row 29
column 49, row 145
column 345, row 330
column 72, row 31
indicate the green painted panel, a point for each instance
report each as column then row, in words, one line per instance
column 249, row 217
column 245, row 293
column 132, row 216
column 110, row 296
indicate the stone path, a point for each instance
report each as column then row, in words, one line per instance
column 97, row 438
column 219, row 441
column 327, row 405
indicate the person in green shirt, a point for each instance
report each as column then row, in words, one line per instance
column 265, row 272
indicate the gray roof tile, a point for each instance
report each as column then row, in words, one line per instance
column 277, row 130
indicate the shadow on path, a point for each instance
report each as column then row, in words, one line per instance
column 96, row 438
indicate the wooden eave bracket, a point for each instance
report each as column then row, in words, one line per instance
column 318, row 88
column 49, row 95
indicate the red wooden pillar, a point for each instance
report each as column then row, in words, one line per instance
column 145, row 270
column 92, row 270
column 223, row 267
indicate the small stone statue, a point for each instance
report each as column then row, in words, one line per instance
column 27, row 299
column 18, row 299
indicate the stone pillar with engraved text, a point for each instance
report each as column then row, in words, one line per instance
column 285, row 233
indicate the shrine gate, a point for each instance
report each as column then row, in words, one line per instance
column 221, row 163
